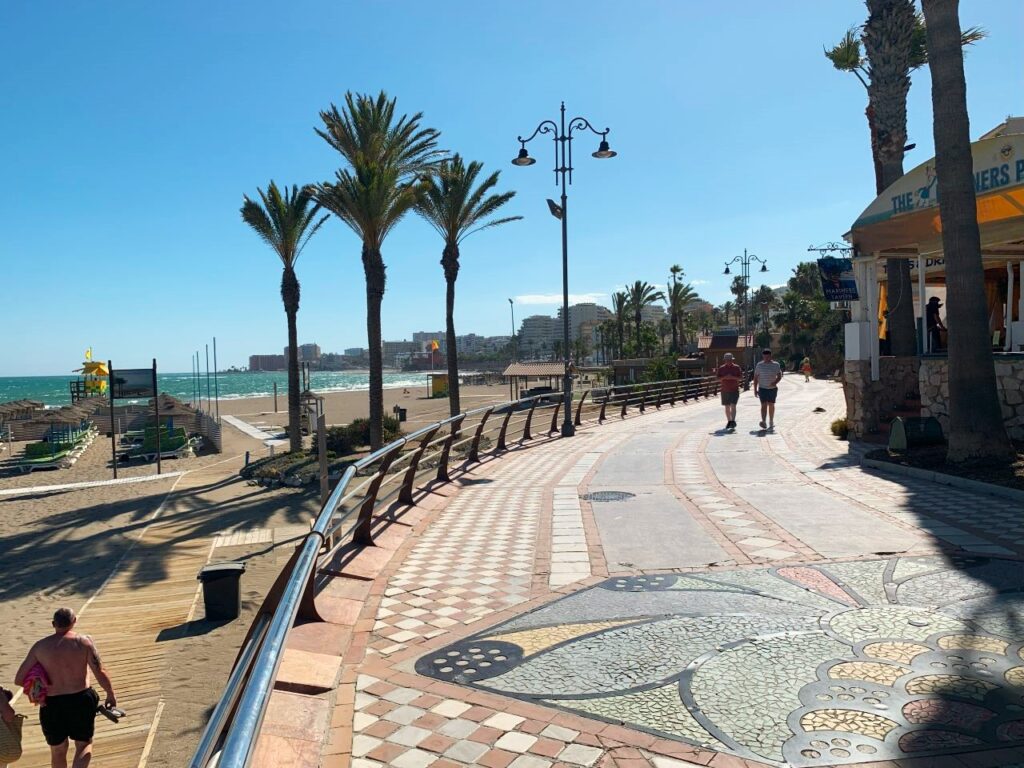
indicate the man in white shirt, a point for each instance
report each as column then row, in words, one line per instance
column 767, row 375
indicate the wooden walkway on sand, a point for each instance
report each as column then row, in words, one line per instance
column 154, row 589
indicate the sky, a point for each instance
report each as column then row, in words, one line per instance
column 130, row 132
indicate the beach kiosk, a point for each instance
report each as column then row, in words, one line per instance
column 903, row 223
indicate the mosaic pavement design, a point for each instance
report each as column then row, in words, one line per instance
column 807, row 665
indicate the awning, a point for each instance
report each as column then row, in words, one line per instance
column 535, row 369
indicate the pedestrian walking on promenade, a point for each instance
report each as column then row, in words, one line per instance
column 767, row 375
column 729, row 375
column 68, row 705
column 805, row 368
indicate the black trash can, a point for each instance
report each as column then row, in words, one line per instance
column 402, row 414
column 222, row 594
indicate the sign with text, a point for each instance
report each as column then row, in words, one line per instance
column 132, row 382
column 837, row 280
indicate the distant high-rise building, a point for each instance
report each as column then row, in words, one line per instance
column 585, row 312
column 268, row 362
column 395, row 352
column 537, row 336
column 653, row 313
column 308, row 353
column 425, row 337
column 355, row 352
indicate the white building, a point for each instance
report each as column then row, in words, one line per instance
column 537, row 336
column 587, row 313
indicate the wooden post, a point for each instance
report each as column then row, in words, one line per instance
column 113, row 438
column 156, row 411
column 321, row 449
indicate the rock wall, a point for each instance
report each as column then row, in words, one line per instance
column 867, row 401
column 934, row 378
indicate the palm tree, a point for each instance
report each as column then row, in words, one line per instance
column 894, row 40
column 387, row 160
column 620, row 305
column 286, row 221
column 976, row 431
column 792, row 320
column 678, row 297
column 456, row 210
column 639, row 295
column 727, row 311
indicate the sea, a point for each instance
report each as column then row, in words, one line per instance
column 54, row 390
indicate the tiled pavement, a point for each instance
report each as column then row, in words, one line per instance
column 516, row 535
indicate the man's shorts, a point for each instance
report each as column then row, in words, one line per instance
column 70, row 716
column 767, row 395
column 730, row 398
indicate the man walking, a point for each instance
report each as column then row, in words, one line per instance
column 69, row 711
column 729, row 375
column 767, row 375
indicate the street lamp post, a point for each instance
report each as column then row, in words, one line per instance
column 563, row 174
column 512, row 309
column 745, row 261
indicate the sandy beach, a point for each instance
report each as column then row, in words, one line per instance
column 343, row 407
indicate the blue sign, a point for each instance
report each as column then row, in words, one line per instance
column 837, row 280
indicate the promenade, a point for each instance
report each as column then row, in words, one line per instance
column 652, row 592
column 655, row 592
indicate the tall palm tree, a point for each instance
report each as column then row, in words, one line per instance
column 976, row 431
column 455, row 209
column 727, row 308
column 894, row 40
column 620, row 306
column 387, row 159
column 678, row 297
column 639, row 295
column 286, row 221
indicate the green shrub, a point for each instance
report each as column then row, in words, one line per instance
column 339, row 441
column 840, row 428
column 359, row 431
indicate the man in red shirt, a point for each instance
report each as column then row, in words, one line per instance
column 729, row 375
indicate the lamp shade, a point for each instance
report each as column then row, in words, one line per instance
column 523, row 158
column 764, row 267
column 603, row 151
column 726, row 272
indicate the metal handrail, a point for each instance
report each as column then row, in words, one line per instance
column 249, row 687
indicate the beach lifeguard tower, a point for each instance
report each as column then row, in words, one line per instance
column 93, row 381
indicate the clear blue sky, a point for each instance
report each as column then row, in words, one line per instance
column 131, row 130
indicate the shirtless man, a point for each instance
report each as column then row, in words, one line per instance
column 70, row 707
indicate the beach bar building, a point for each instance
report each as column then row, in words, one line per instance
column 903, row 223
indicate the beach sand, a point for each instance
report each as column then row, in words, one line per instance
column 343, row 407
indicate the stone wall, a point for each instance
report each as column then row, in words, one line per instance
column 867, row 401
column 934, row 377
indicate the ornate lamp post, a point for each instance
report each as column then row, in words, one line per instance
column 745, row 261
column 562, row 137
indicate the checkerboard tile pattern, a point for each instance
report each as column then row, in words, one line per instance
column 400, row 726
column 475, row 559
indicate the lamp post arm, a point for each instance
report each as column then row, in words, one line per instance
column 579, row 123
column 546, row 126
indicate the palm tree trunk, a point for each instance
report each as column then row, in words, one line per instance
column 450, row 262
column 888, row 34
column 290, row 297
column 976, row 430
column 638, row 320
column 675, row 333
column 373, row 268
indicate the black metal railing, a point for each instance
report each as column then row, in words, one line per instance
column 386, row 479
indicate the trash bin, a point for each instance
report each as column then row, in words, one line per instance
column 402, row 414
column 222, row 595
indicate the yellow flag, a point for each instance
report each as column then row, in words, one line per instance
column 88, row 354
column 434, row 346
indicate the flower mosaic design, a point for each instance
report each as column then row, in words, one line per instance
column 824, row 664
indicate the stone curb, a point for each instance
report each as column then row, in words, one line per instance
column 944, row 479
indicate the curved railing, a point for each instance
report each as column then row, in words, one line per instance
column 387, row 477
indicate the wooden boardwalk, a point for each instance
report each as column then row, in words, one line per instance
column 153, row 590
